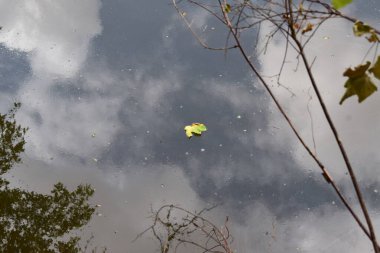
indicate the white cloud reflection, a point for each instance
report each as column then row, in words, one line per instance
column 74, row 107
column 323, row 229
column 56, row 35
column 356, row 123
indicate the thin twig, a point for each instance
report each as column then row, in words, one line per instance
column 299, row 48
column 335, row 133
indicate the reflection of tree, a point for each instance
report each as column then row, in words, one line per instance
column 34, row 222
column 175, row 228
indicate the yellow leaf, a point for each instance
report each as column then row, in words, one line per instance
column 308, row 28
column 227, row 9
column 195, row 129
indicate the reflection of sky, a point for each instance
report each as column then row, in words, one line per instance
column 107, row 88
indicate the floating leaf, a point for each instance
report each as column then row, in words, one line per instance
column 195, row 129
column 337, row 4
column 227, row 8
column 358, row 83
column 375, row 70
column 308, row 28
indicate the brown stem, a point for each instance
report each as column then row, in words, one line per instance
column 290, row 123
column 324, row 170
column 339, row 14
column 334, row 130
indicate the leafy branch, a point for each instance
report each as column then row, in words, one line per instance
column 298, row 23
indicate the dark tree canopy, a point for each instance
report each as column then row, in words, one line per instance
column 34, row 222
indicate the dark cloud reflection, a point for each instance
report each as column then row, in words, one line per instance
column 130, row 78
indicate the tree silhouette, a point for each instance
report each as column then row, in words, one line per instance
column 31, row 221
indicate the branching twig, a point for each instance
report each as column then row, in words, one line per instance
column 188, row 228
column 335, row 132
column 289, row 22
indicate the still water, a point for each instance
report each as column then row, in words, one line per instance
column 96, row 145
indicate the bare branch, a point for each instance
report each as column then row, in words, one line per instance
column 292, row 23
column 188, row 228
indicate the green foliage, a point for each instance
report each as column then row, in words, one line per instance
column 195, row 129
column 361, row 29
column 359, row 83
column 34, row 222
column 11, row 140
column 375, row 70
column 338, row 4
column 227, row 8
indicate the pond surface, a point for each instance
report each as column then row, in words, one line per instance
column 107, row 87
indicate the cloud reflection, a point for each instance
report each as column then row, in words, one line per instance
column 107, row 97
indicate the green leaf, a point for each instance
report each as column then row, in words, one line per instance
column 358, row 83
column 361, row 29
column 227, row 8
column 375, row 70
column 358, row 71
column 195, row 129
column 373, row 37
column 337, row 4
